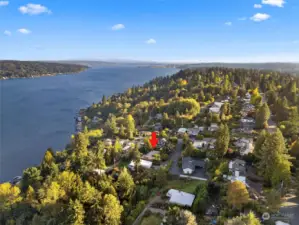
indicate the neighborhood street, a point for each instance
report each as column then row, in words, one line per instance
column 175, row 170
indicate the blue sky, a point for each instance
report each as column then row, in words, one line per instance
column 158, row 30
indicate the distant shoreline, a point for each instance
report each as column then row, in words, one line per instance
column 42, row 75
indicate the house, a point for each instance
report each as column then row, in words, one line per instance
column 95, row 119
column 247, row 108
column 99, row 171
column 195, row 131
column 158, row 126
column 247, row 122
column 189, row 164
column 180, row 198
column 215, row 108
column 205, row 143
column 245, row 145
column 159, row 116
column 182, row 130
column 238, row 169
column 16, row 180
column 150, row 156
column 213, row 127
column 127, row 147
column 237, row 165
column 162, row 142
column 145, row 133
column 108, row 142
column 143, row 163
column 212, row 211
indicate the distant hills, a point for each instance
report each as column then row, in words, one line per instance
column 282, row 67
column 279, row 66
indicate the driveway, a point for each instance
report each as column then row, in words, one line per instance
column 175, row 170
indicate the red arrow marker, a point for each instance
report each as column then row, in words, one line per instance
column 154, row 140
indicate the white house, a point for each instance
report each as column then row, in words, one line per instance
column 127, row 147
column 205, row 143
column 245, row 145
column 180, row 197
column 99, row 171
column 213, row 127
column 215, row 108
column 143, row 163
column 108, row 142
column 182, row 130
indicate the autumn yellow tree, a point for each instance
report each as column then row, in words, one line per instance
column 237, row 194
column 9, row 195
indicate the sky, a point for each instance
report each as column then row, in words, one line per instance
column 155, row 30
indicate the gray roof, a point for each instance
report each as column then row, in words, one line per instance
column 189, row 162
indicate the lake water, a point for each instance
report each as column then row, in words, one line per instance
column 39, row 113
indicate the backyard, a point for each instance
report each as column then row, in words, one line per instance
column 188, row 186
column 151, row 220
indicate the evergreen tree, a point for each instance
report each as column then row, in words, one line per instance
column 130, row 126
column 112, row 210
column 125, row 184
column 122, row 131
column 75, row 213
column 80, row 145
column 274, row 165
column 104, row 100
column 262, row 116
column 110, row 125
column 259, row 143
column 222, row 141
column 295, row 149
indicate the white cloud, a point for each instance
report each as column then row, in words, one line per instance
column 278, row 3
column 258, row 17
column 24, row 31
column 242, row 18
column 228, row 23
column 151, row 41
column 34, row 9
column 4, row 3
column 7, row 33
column 257, row 6
column 118, row 27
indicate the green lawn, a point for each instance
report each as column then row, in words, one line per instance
column 151, row 220
column 188, row 186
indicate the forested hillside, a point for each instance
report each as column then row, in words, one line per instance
column 24, row 69
column 100, row 177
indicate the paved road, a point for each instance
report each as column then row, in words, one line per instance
column 175, row 170
column 292, row 207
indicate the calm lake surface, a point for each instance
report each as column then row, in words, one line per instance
column 39, row 113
